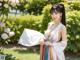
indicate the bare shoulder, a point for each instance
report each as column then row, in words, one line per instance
column 64, row 32
column 63, row 27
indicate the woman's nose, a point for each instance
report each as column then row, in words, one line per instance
column 54, row 16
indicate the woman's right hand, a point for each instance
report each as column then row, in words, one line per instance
column 41, row 41
column 47, row 32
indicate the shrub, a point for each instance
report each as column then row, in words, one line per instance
column 18, row 23
column 73, row 27
column 7, row 56
column 46, row 17
column 74, row 5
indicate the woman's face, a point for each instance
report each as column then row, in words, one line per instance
column 56, row 16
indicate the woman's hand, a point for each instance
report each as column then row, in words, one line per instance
column 48, row 43
column 41, row 42
column 47, row 32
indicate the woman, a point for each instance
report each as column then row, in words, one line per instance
column 55, row 41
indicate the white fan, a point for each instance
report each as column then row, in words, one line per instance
column 30, row 37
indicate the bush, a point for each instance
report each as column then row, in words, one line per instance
column 18, row 23
column 35, row 6
column 73, row 27
column 8, row 56
column 74, row 5
column 46, row 16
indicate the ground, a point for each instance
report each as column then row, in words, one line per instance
column 23, row 53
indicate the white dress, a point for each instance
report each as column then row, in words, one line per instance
column 57, row 46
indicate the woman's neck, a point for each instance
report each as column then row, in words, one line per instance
column 56, row 23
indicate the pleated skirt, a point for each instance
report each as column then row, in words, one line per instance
column 46, row 53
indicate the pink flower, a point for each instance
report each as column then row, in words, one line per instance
column 2, row 24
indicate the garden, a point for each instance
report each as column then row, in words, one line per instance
column 17, row 15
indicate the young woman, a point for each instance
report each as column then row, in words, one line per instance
column 55, row 41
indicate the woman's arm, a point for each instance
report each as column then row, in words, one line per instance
column 62, row 44
column 64, row 34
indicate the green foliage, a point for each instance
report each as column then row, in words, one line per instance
column 30, row 21
column 35, row 6
column 8, row 56
column 21, row 5
column 4, row 8
column 46, row 17
column 18, row 23
column 74, row 5
column 31, row 6
column 55, row 1
column 73, row 27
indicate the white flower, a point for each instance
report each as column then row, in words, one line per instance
column 1, row 0
column 14, row 2
column 6, row 5
column 0, row 4
column 7, row 30
column 4, row 36
column 11, row 34
column 5, row 0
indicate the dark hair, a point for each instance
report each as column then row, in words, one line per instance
column 59, row 8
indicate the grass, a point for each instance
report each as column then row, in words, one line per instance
column 22, row 54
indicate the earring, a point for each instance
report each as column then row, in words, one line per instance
column 60, row 15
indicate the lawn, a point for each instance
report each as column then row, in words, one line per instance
column 24, row 54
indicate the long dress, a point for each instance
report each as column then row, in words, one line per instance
column 56, row 50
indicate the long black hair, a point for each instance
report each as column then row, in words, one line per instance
column 59, row 8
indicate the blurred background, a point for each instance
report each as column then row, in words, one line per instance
column 15, row 15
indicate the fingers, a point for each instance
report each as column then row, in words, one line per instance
column 41, row 42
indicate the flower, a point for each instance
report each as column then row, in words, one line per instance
column 4, row 36
column 7, row 33
column 7, row 30
column 2, row 24
column 1, row 0
column 11, row 34
column 14, row 2
column 0, row 4
column 6, row 5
